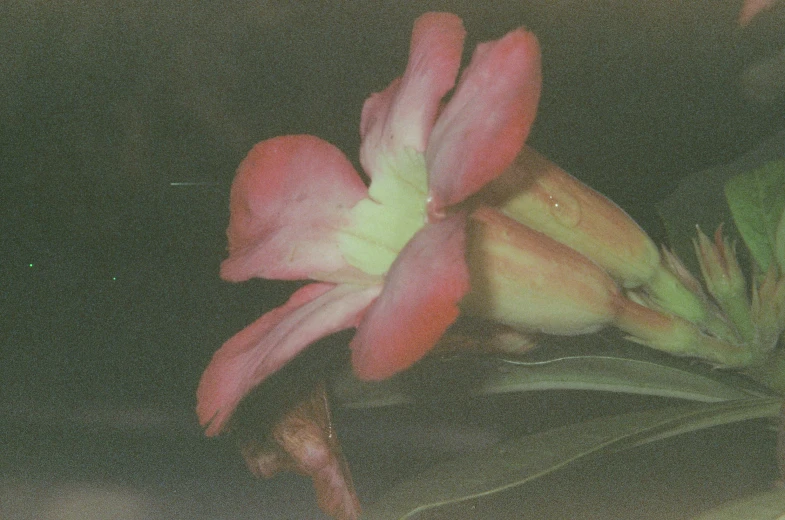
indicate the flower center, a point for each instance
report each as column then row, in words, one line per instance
column 393, row 212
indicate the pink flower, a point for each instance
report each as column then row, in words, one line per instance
column 388, row 259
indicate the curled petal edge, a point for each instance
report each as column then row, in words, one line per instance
column 290, row 197
column 313, row 312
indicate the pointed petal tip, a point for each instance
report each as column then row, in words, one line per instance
column 488, row 119
column 250, row 356
column 402, row 115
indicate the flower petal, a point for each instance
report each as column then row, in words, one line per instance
column 419, row 301
column 313, row 312
column 290, row 196
column 402, row 115
column 486, row 122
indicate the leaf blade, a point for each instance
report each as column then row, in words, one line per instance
column 757, row 201
column 767, row 505
column 608, row 372
column 521, row 460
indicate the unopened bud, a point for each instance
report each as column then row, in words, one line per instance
column 539, row 194
column 725, row 281
column 526, row 280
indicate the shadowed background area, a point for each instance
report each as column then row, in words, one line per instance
column 122, row 124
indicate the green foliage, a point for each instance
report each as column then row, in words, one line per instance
column 757, row 207
column 718, row 397
column 757, row 203
column 767, row 505
column 637, row 372
column 521, row 460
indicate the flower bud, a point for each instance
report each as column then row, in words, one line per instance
column 725, row 281
column 539, row 194
column 526, row 280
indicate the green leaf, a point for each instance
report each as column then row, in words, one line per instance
column 767, row 505
column 608, row 368
column 700, row 200
column 521, row 460
column 612, row 374
column 757, row 202
column 597, row 373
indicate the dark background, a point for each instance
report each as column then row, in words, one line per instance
column 109, row 292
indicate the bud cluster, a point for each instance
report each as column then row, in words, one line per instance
column 549, row 254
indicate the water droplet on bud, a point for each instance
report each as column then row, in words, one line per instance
column 564, row 209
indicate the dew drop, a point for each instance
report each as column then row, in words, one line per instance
column 565, row 208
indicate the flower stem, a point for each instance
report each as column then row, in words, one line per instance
column 674, row 297
column 677, row 336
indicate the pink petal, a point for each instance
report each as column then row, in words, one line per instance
column 290, row 195
column 419, row 301
column 313, row 312
column 486, row 122
column 402, row 115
